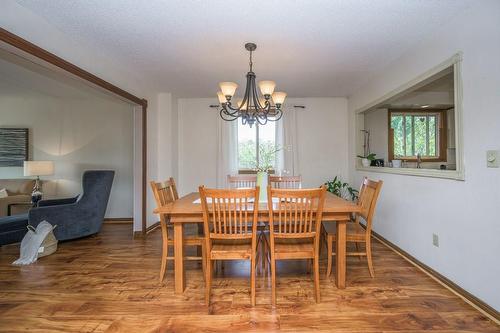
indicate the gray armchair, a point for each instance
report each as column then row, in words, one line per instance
column 79, row 216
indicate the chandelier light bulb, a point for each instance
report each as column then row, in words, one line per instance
column 279, row 97
column 267, row 87
column 228, row 88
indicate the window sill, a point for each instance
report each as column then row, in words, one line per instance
column 433, row 173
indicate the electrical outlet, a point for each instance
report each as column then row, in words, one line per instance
column 435, row 240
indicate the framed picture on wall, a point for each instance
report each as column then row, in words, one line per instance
column 14, row 143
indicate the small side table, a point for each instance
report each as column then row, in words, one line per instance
column 24, row 204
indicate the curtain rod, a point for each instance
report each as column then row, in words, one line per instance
column 295, row 106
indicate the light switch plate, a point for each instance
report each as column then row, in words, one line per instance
column 492, row 159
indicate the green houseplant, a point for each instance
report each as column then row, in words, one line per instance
column 341, row 189
column 366, row 160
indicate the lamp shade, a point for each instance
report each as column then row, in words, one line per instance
column 38, row 168
column 267, row 87
column 228, row 88
column 221, row 97
column 279, row 97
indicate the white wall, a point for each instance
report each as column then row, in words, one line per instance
column 322, row 137
column 77, row 134
column 376, row 123
column 463, row 213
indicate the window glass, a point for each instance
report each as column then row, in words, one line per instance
column 414, row 134
column 247, row 146
column 256, row 141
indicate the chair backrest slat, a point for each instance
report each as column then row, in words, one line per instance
column 164, row 192
column 285, row 181
column 242, row 181
column 368, row 196
column 295, row 213
column 230, row 213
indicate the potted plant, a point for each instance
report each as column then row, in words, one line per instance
column 341, row 189
column 366, row 160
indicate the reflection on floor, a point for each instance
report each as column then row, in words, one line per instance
column 109, row 283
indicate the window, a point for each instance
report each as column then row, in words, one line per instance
column 417, row 132
column 253, row 143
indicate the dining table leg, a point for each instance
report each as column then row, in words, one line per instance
column 179, row 257
column 341, row 254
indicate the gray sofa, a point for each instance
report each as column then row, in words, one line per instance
column 79, row 216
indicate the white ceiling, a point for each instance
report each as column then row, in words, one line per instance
column 20, row 77
column 314, row 48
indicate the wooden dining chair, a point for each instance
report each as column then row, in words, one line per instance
column 285, row 181
column 368, row 195
column 295, row 226
column 242, row 181
column 166, row 193
column 230, row 220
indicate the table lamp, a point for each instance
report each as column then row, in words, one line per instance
column 38, row 168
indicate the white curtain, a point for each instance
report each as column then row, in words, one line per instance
column 287, row 161
column 227, row 150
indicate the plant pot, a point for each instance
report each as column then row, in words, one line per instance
column 365, row 162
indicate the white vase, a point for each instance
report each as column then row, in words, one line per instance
column 262, row 183
column 365, row 162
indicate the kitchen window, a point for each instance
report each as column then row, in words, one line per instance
column 417, row 132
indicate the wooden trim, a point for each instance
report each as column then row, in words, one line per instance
column 443, row 134
column 475, row 302
column 53, row 59
column 153, row 227
column 144, row 164
column 119, row 220
column 141, row 234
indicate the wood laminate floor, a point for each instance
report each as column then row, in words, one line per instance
column 109, row 283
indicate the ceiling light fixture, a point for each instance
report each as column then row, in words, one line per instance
column 251, row 108
column 424, row 106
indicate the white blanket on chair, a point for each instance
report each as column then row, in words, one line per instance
column 31, row 243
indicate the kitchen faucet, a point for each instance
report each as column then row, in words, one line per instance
column 419, row 160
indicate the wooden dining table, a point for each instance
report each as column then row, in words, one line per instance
column 186, row 210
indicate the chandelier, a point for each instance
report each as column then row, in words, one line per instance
column 251, row 108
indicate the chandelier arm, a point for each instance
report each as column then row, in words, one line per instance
column 262, row 120
column 255, row 99
column 278, row 115
column 247, row 92
column 227, row 116
column 226, row 111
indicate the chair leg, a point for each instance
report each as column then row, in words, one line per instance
column 329, row 245
column 369, row 257
column 258, row 255
column 252, row 280
column 164, row 256
column 203, row 260
column 316, row 278
column 273, row 279
column 208, row 282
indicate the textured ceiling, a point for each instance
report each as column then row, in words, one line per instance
column 310, row 48
column 20, row 76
